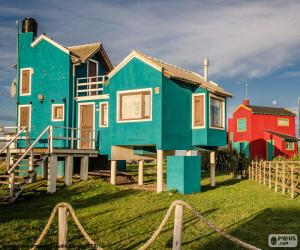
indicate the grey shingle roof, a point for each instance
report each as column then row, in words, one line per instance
column 271, row 111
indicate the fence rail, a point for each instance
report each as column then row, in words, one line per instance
column 281, row 176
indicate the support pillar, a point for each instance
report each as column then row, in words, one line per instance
column 113, row 172
column 177, row 232
column 68, row 170
column 212, row 168
column 189, row 152
column 51, row 188
column 141, row 173
column 84, row 168
column 160, row 157
column 45, row 168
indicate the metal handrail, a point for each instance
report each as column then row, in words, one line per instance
column 50, row 147
column 12, row 140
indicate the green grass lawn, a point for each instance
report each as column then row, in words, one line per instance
column 117, row 217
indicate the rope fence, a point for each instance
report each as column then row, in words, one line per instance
column 283, row 175
column 64, row 209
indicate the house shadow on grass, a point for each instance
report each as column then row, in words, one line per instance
column 227, row 182
column 254, row 230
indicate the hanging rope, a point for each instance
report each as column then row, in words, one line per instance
column 201, row 218
column 153, row 237
column 75, row 219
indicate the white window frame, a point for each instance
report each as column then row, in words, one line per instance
column 193, row 109
column 100, row 114
column 19, row 121
column 237, row 124
column 286, row 119
column 21, row 81
column 224, row 107
column 133, row 91
column 52, row 112
column 290, row 149
column 88, row 66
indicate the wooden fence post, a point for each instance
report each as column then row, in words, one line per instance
column 270, row 177
column 264, row 173
column 283, row 178
column 253, row 171
column 62, row 228
column 256, row 163
column 292, row 182
column 141, row 173
column 276, row 177
column 260, row 171
column 249, row 172
column 177, row 233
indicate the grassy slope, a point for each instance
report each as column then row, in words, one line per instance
column 122, row 218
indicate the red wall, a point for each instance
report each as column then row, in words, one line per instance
column 257, row 136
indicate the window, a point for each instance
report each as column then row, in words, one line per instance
column 58, row 112
column 25, row 81
column 217, row 112
column 198, row 111
column 290, row 145
column 283, row 122
column 24, row 116
column 134, row 105
column 241, row 125
column 104, row 114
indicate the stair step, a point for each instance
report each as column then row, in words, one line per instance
column 7, row 176
column 5, row 198
column 23, row 171
column 15, row 183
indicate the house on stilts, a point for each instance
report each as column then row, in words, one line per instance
column 76, row 112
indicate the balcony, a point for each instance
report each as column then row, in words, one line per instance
column 90, row 86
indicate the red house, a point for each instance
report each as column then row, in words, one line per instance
column 263, row 132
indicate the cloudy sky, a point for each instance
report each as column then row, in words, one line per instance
column 254, row 42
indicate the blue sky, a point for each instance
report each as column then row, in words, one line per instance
column 257, row 42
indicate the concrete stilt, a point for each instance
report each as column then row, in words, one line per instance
column 68, row 170
column 52, row 169
column 45, row 168
column 84, row 168
column 213, row 168
column 113, row 172
column 189, row 153
column 141, row 173
column 159, row 171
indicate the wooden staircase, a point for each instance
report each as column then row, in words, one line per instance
column 21, row 166
column 12, row 184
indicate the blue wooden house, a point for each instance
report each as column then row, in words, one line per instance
column 73, row 104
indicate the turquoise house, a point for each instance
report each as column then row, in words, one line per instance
column 76, row 105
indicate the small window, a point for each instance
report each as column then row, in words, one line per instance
column 283, row 122
column 198, row 111
column 24, row 116
column 25, row 80
column 290, row 145
column 217, row 119
column 241, row 125
column 57, row 112
column 104, row 114
column 134, row 106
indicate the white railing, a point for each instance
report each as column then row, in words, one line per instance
column 90, row 86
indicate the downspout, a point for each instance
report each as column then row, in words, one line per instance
column 18, row 73
column 73, row 98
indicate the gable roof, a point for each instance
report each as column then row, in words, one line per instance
column 84, row 52
column 271, row 111
column 173, row 72
column 80, row 53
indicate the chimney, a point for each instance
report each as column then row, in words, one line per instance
column 205, row 66
column 246, row 102
column 29, row 25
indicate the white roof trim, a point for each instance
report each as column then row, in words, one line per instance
column 128, row 58
column 49, row 40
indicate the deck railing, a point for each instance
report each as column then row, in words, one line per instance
column 90, row 86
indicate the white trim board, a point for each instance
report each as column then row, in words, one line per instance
column 19, row 108
column 193, row 108
column 90, row 98
column 128, row 58
column 49, row 40
column 133, row 91
column 78, row 122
